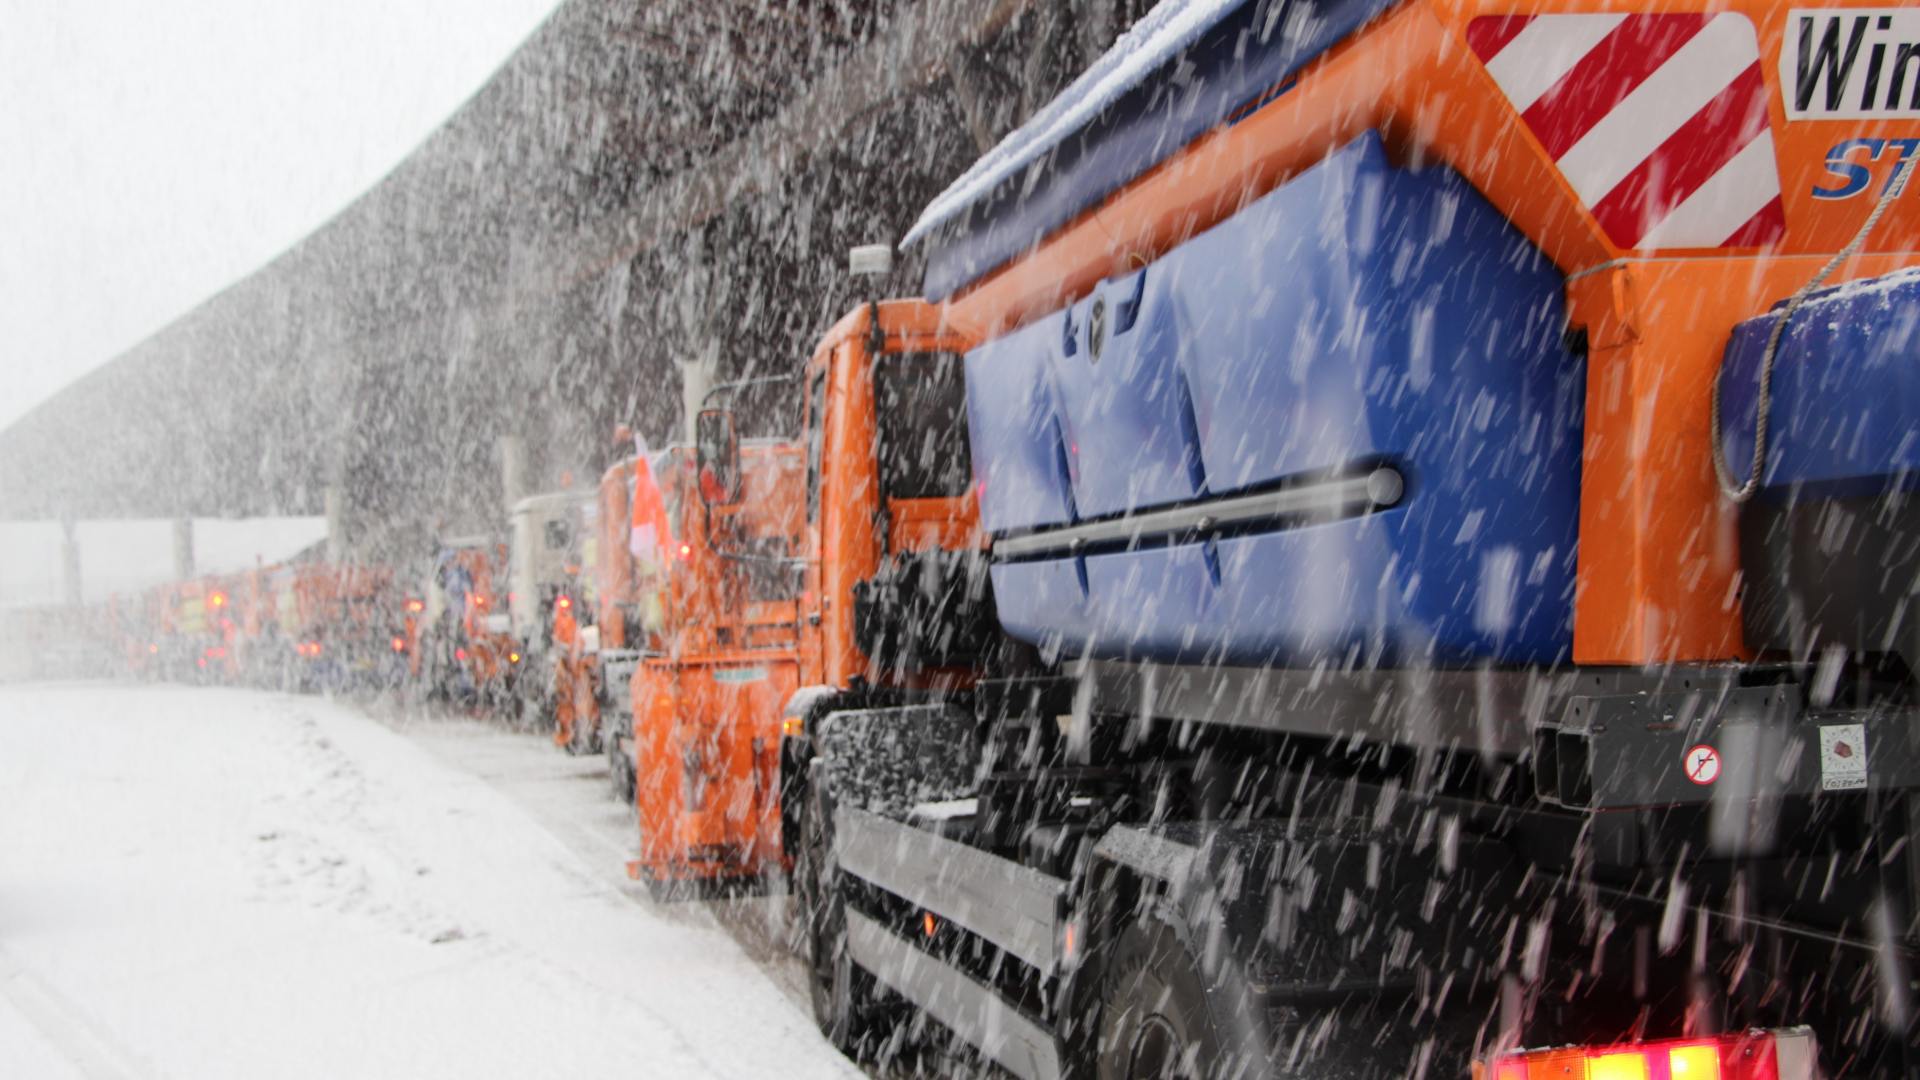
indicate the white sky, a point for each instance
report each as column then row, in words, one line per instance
column 154, row 151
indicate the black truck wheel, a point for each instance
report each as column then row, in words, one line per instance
column 576, row 744
column 1163, row 1014
column 1156, row 1022
column 841, row 993
column 619, row 769
column 586, row 732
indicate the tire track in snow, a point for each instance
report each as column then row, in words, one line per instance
column 307, row 855
column 557, row 801
column 66, row 1027
column 553, row 799
column 456, row 743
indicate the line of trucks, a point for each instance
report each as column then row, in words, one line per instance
column 1384, row 548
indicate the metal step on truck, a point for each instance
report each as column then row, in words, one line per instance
column 1431, row 594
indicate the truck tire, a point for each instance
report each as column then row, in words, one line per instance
column 1162, row 1014
column 1155, row 1020
column 841, row 993
column 619, row 769
column 585, row 734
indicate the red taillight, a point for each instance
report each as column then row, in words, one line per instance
column 1755, row 1055
column 399, row 644
column 460, row 655
column 153, row 650
column 217, row 653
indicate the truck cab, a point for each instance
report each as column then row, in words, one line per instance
column 894, row 604
column 336, row 619
column 545, row 556
column 705, row 702
column 470, row 652
column 892, row 533
column 590, row 660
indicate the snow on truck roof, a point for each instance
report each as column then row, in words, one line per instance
column 1184, row 67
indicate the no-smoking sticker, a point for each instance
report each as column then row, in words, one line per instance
column 1702, row 764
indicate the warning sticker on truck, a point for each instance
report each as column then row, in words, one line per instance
column 1843, row 757
column 1702, row 764
column 1658, row 120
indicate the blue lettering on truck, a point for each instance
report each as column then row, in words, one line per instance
column 1853, row 163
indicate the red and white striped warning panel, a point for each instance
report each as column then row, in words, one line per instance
column 1659, row 122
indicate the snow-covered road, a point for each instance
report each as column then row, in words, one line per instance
column 207, row 883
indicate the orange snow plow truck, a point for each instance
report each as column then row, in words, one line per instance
column 590, row 620
column 610, row 620
column 469, row 653
column 706, row 703
column 1448, row 476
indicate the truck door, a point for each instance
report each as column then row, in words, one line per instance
column 811, row 610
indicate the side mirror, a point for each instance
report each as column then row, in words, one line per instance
column 717, row 451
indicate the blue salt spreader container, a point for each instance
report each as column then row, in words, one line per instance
column 1845, row 415
column 1361, row 315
